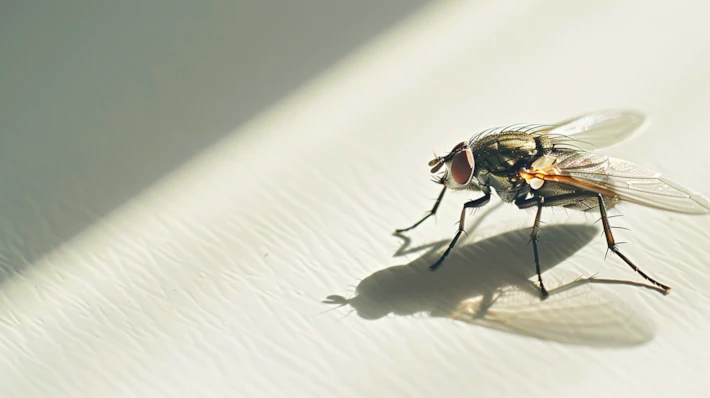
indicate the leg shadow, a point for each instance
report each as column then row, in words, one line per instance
column 487, row 283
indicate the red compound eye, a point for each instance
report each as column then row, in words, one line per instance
column 462, row 167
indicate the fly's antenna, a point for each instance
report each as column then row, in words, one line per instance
column 436, row 163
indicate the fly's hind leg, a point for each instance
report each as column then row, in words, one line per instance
column 611, row 244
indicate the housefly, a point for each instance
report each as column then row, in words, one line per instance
column 537, row 166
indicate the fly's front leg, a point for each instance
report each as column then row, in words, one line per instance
column 611, row 244
column 428, row 214
column 482, row 201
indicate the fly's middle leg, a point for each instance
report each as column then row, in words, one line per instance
column 611, row 244
column 482, row 201
column 540, row 202
column 534, row 237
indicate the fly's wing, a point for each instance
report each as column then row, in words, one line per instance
column 596, row 130
column 626, row 180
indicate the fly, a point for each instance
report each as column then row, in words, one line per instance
column 537, row 166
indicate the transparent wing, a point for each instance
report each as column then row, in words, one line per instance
column 627, row 180
column 596, row 130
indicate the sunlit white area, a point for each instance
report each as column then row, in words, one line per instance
column 199, row 200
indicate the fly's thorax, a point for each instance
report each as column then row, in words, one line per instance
column 504, row 186
column 507, row 150
column 499, row 157
column 508, row 186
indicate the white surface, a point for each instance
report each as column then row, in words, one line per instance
column 210, row 282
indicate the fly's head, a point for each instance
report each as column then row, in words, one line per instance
column 460, row 168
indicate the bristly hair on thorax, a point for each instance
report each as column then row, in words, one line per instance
column 513, row 128
column 562, row 142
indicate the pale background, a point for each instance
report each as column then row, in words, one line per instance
column 184, row 183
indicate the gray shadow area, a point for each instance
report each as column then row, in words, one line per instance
column 488, row 283
column 99, row 100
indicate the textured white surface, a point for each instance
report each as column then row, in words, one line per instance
column 211, row 281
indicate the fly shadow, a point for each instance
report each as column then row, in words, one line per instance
column 487, row 283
